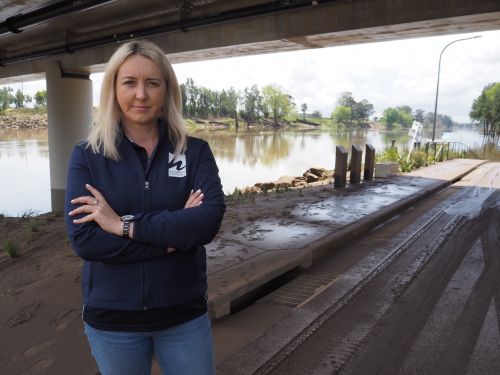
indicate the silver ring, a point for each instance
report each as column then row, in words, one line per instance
column 94, row 203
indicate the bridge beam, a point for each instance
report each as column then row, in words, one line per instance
column 323, row 25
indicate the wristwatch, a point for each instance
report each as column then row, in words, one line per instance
column 126, row 219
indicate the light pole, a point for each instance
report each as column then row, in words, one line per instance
column 437, row 88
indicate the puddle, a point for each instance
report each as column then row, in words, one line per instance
column 470, row 205
column 342, row 210
column 394, row 189
column 278, row 234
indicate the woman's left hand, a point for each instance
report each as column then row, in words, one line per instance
column 195, row 199
column 98, row 210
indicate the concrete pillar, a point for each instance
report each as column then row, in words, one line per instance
column 340, row 176
column 356, row 156
column 369, row 162
column 69, row 106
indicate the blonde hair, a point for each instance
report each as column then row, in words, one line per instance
column 103, row 137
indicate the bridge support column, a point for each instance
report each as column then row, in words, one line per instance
column 69, row 106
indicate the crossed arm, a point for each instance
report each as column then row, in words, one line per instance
column 94, row 228
column 97, row 209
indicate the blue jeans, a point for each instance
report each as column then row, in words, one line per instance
column 186, row 349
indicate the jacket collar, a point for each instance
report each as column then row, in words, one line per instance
column 129, row 155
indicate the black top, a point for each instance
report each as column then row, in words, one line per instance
column 144, row 320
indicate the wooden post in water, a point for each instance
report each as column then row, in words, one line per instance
column 356, row 155
column 369, row 162
column 340, row 175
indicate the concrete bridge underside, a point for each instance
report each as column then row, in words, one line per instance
column 65, row 41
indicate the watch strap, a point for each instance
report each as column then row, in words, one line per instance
column 126, row 228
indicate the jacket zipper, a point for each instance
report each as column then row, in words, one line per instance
column 146, row 206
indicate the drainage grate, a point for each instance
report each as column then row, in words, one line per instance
column 301, row 290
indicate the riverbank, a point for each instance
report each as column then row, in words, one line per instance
column 36, row 118
column 23, row 119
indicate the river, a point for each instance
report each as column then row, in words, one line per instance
column 243, row 157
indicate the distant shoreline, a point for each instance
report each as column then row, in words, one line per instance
column 23, row 121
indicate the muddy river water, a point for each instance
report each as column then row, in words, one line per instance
column 243, row 157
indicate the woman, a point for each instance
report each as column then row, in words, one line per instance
column 142, row 199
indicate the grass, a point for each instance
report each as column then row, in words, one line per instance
column 25, row 111
column 418, row 158
column 33, row 226
column 11, row 248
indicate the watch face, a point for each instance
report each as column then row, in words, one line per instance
column 127, row 218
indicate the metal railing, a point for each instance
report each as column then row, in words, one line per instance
column 439, row 151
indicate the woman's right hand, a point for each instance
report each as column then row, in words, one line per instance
column 195, row 199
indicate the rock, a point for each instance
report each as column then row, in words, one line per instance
column 299, row 181
column 286, row 179
column 283, row 185
column 250, row 190
column 267, row 186
column 383, row 170
column 320, row 172
column 310, row 177
column 17, row 121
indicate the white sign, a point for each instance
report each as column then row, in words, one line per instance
column 416, row 131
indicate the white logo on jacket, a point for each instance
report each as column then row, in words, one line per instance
column 177, row 166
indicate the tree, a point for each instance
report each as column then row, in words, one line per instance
column 404, row 108
column 316, row 114
column 278, row 102
column 429, row 118
column 303, row 108
column 5, row 98
column 342, row 115
column 252, row 103
column 19, row 99
column 405, row 118
column 183, row 98
column 405, row 115
column 192, row 93
column 446, row 121
column 418, row 115
column 360, row 111
column 346, row 100
column 390, row 117
column 232, row 100
column 486, row 108
column 41, row 98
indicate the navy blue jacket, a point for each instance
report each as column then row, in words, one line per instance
column 126, row 274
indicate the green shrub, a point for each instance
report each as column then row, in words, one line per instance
column 418, row 158
column 33, row 226
column 388, row 155
column 405, row 163
column 11, row 248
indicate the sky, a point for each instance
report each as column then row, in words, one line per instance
column 387, row 74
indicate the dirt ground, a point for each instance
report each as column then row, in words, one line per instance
column 40, row 296
column 41, row 331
